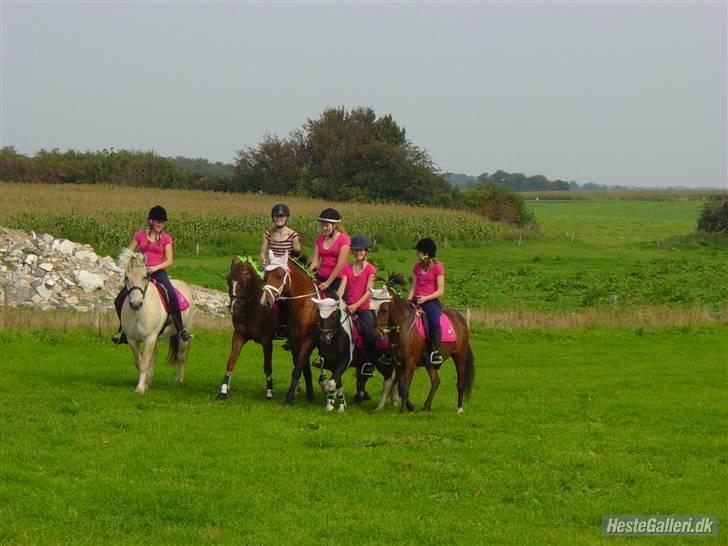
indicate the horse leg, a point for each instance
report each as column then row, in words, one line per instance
column 405, row 380
column 136, row 349
column 268, row 367
column 237, row 345
column 299, row 360
column 308, row 377
column 184, row 347
column 386, row 390
column 146, row 363
column 434, row 384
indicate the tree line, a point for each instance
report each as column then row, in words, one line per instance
column 343, row 155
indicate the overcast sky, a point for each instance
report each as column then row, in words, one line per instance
column 613, row 93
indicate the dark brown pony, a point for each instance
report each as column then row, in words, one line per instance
column 397, row 317
column 250, row 320
column 290, row 281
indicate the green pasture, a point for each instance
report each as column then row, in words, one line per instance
column 561, row 428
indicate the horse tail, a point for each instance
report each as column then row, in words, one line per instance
column 469, row 372
column 174, row 350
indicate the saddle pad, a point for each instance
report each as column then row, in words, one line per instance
column 183, row 302
column 380, row 344
column 448, row 332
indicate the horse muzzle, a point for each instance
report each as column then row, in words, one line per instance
column 136, row 305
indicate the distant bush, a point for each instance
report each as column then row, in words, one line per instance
column 498, row 204
column 714, row 217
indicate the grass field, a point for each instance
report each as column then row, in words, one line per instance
column 561, row 428
column 586, row 401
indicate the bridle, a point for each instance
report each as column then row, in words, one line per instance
column 276, row 291
column 329, row 333
column 136, row 287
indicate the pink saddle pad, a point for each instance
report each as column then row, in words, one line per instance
column 448, row 332
column 380, row 344
column 183, row 302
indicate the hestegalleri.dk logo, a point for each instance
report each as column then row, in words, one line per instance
column 643, row 525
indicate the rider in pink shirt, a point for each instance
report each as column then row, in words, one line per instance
column 428, row 287
column 331, row 251
column 356, row 280
column 156, row 244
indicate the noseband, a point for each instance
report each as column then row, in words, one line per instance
column 136, row 287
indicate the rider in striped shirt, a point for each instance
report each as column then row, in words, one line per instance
column 281, row 238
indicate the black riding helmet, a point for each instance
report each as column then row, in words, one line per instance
column 359, row 242
column 157, row 213
column 330, row 215
column 427, row 246
column 280, row 209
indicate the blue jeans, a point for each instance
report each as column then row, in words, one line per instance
column 365, row 324
column 162, row 278
column 433, row 310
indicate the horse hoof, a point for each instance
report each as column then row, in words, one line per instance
column 366, row 396
column 426, row 407
column 221, row 396
column 342, row 408
column 460, row 411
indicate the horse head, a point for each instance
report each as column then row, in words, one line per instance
column 136, row 278
column 242, row 280
column 381, row 304
column 330, row 313
column 277, row 279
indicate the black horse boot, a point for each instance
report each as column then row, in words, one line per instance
column 435, row 356
column 181, row 330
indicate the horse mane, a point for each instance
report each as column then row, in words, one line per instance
column 127, row 256
column 394, row 279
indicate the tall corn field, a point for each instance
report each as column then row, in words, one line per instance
column 107, row 216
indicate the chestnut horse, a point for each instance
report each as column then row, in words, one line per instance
column 250, row 320
column 409, row 349
column 289, row 280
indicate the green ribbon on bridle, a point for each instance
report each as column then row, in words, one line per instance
column 253, row 263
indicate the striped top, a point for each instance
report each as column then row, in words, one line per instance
column 279, row 248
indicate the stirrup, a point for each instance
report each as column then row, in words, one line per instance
column 367, row 369
column 287, row 345
column 436, row 359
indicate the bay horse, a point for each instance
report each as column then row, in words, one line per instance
column 409, row 349
column 289, row 280
column 144, row 319
column 250, row 320
column 338, row 352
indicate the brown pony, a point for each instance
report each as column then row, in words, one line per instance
column 290, row 281
column 250, row 320
column 397, row 317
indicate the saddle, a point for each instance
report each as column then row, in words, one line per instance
column 183, row 302
column 446, row 327
column 358, row 339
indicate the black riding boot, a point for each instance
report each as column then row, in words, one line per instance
column 177, row 319
column 435, row 356
column 119, row 337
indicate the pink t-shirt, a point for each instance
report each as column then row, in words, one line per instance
column 426, row 281
column 153, row 250
column 356, row 285
column 330, row 256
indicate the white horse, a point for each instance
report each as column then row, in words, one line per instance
column 143, row 319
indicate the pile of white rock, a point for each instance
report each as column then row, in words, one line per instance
column 44, row 273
